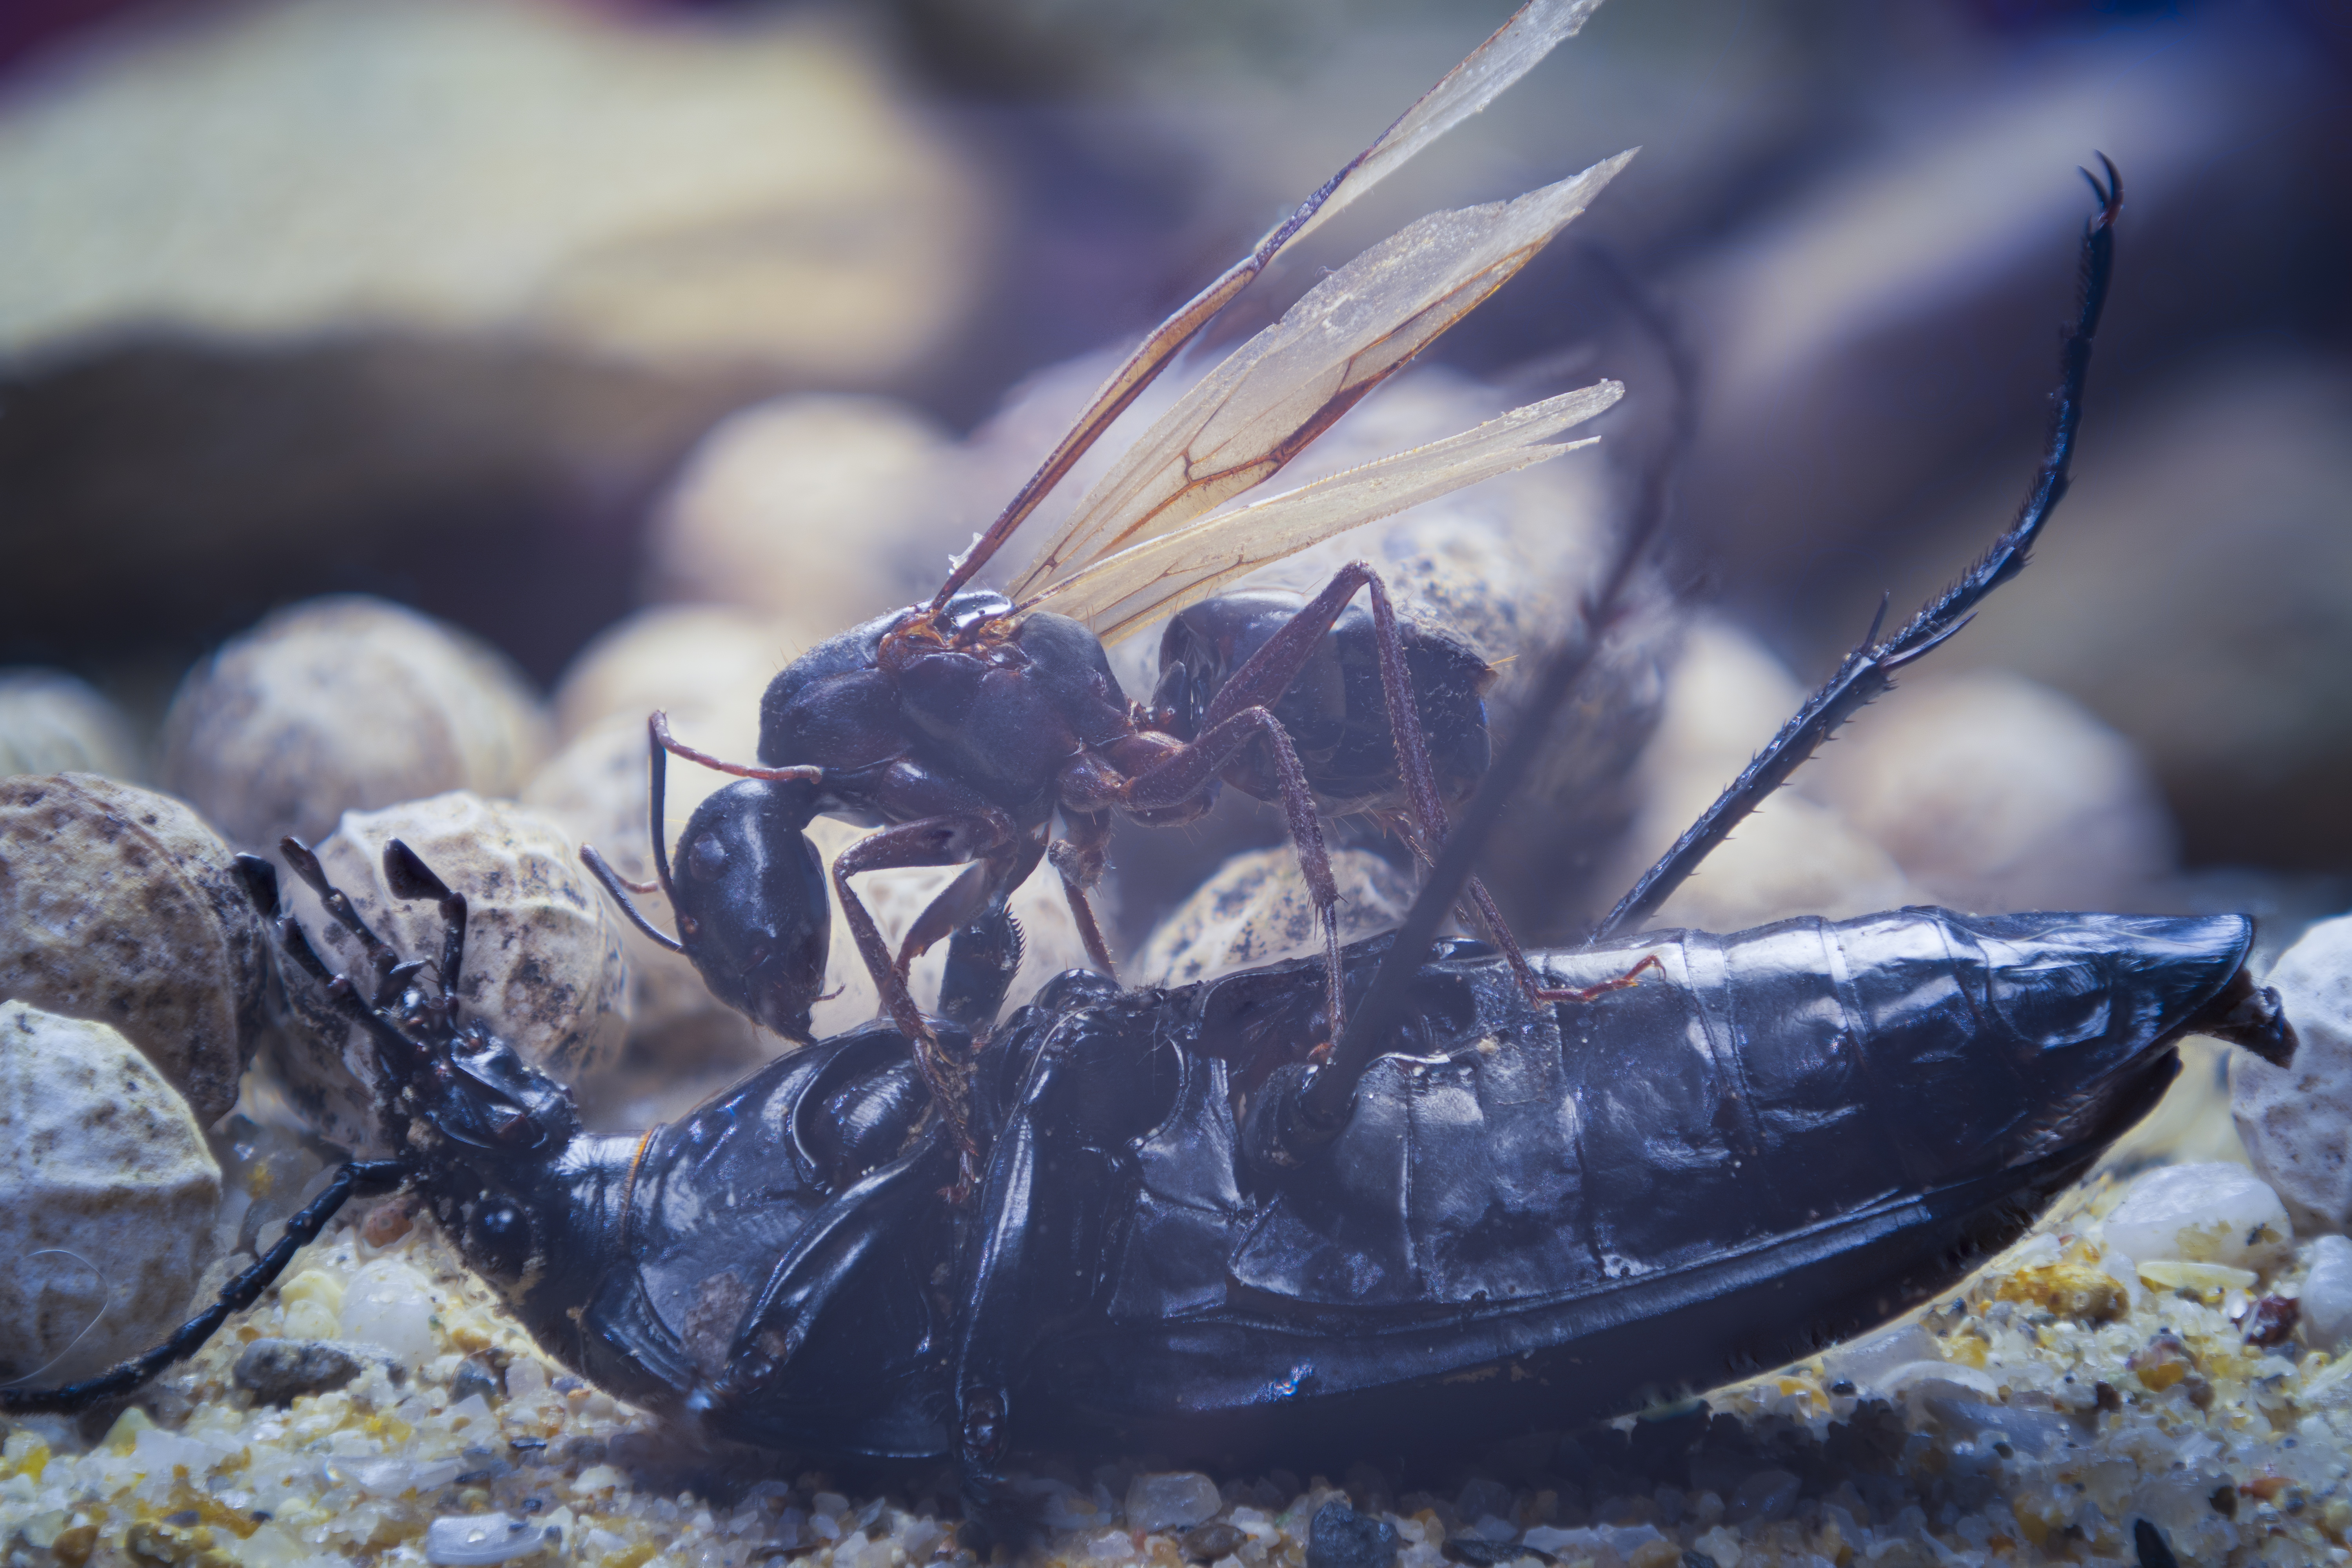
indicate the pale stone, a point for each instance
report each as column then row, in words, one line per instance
column 685, row 190
column 389, row 1304
column 345, row 703
column 2199, row 1213
column 119, row 904
column 710, row 660
column 1725, row 697
column 52, row 723
column 543, row 965
column 803, row 509
column 2293, row 1118
column 1994, row 792
column 1174, row 1500
column 107, row 1196
column 1255, row 909
column 2326, row 1299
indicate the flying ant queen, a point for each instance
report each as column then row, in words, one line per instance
column 961, row 729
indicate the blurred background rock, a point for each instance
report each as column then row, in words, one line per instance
column 438, row 301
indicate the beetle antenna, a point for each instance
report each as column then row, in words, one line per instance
column 353, row 1179
column 1868, row 671
column 380, row 952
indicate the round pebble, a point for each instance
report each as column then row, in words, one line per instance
column 2199, row 1213
column 345, row 703
column 1255, row 909
column 543, row 965
column 119, row 904
column 791, row 508
column 52, row 723
column 111, row 1192
column 1994, row 792
column 2293, row 1118
column 1171, row 1499
column 707, row 659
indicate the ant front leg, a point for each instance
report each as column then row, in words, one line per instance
column 1079, row 861
column 951, row 839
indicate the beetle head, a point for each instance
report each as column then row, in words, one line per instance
column 748, row 891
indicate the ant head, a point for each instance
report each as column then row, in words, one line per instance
column 750, row 895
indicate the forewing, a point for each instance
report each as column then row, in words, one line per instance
column 1509, row 54
column 1284, row 387
column 1121, row 594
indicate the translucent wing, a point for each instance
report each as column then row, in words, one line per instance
column 1122, row 592
column 1502, row 60
column 1284, row 387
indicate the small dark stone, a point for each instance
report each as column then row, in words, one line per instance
column 2148, row 1543
column 2272, row 1320
column 481, row 1465
column 184, row 1518
column 1207, row 1542
column 2107, row 1397
column 2225, row 1500
column 584, row 1451
column 1697, row 1560
column 476, row 1377
column 1480, row 1554
column 275, row 1371
column 1341, row 1538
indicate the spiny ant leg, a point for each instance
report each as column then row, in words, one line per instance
column 1869, row 670
column 353, row 1180
column 983, row 957
column 1182, row 775
column 380, row 952
column 1078, row 862
column 932, row 841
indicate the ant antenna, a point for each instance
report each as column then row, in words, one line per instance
column 658, row 746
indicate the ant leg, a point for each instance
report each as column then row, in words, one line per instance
column 983, row 957
column 1184, row 774
column 1868, row 671
column 1079, row 861
column 947, row 841
column 354, row 1179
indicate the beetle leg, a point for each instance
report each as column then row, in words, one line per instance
column 947, row 841
column 1869, row 670
column 1185, row 772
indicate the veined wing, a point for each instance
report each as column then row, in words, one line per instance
column 1509, row 54
column 1286, row 385
column 1122, row 592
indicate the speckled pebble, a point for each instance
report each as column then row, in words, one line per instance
column 276, row 1372
column 339, row 704
column 111, row 1192
column 2293, row 1118
column 119, row 904
column 1255, row 909
column 543, row 964
column 52, row 723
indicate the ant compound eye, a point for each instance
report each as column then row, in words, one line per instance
column 707, row 857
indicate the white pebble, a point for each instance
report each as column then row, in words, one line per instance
column 388, row 1304
column 2199, row 1213
column 2328, row 1293
column 2291, row 1119
column 1176, row 1499
column 339, row 704
column 543, row 966
column 112, row 1192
